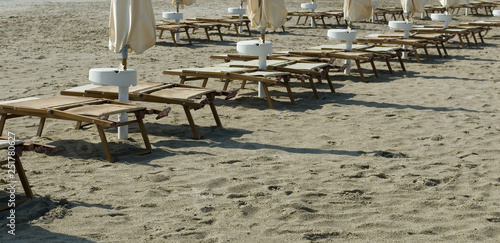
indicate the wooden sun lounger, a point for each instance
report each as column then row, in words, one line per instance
column 297, row 70
column 173, row 29
column 196, row 24
column 394, row 12
column 79, row 109
column 357, row 56
column 384, row 52
column 228, row 21
column 307, row 14
column 16, row 148
column 227, row 74
column 189, row 97
column 417, row 40
column 459, row 32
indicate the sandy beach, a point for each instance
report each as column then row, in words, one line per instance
column 407, row 157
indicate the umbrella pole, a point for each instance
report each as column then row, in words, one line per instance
column 123, row 97
column 262, row 64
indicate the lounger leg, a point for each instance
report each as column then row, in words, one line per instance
column 298, row 19
column 243, row 84
column 360, row 71
column 189, row 38
column 226, row 84
column 173, row 37
column 220, row 34
column 3, row 118
column 444, row 49
column 474, row 37
column 467, row 39
column 426, row 53
column 191, row 122
column 388, row 65
column 204, row 83
column 313, row 87
column 40, row 127
column 461, row 41
column 268, row 96
column 248, row 28
column 78, row 125
column 330, row 83
column 237, row 31
column 208, row 36
column 323, row 20
column 416, row 55
column 23, row 177
column 374, row 69
column 286, row 81
column 144, row 134
column 439, row 51
column 214, row 110
column 105, row 145
column 401, row 61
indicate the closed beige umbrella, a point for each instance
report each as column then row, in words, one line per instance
column 131, row 26
column 358, row 10
column 266, row 14
column 411, row 7
column 449, row 3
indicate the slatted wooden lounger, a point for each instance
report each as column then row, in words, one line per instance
column 196, row 24
column 79, row 109
column 173, row 29
column 384, row 52
column 299, row 70
column 227, row 74
column 16, row 148
column 357, row 56
column 228, row 21
column 189, row 97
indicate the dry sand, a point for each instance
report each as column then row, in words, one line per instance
column 407, row 157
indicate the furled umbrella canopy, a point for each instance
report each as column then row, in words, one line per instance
column 131, row 26
column 266, row 13
column 411, row 7
column 449, row 3
column 358, row 10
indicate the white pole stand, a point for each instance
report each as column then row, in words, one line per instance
column 312, row 6
column 375, row 4
column 349, row 36
column 445, row 17
column 253, row 47
column 123, row 79
column 240, row 12
column 174, row 16
column 404, row 26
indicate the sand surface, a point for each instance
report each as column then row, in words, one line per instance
column 409, row 157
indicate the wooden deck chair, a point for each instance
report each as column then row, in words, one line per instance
column 338, row 14
column 383, row 52
column 451, row 32
column 16, row 148
column 313, row 15
column 227, row 74
column 173, row 29
column 357, row 56
column 473, row 30
column 299, row 70
column 230, row 22
column 189, row 97
column 197, row 24
column 78, row 109
column 416, row 40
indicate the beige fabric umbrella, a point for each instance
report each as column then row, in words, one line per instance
column 449, row 3
column 358, row 10
column 131, row 26
column 266, row 13
column 411, row 7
